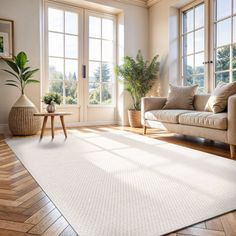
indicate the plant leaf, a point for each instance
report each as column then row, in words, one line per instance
column 14, row 85
column 29, row 74
column 13, row 66
column 10, row 72
column 29, row 81
column 12, row 81
column 21, row 60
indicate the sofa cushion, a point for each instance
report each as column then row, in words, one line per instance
column 167, row 116
column 205, row 119
column 219, row 98
column 181, row 97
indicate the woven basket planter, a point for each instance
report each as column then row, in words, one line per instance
column 21, row 119
column 134, row 118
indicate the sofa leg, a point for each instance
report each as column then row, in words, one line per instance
column 232, row 151
column 144, row 129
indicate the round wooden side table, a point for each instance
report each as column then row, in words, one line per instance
column 53, row 115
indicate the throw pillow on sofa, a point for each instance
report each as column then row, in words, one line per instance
column 219, row 97
column 181, row 97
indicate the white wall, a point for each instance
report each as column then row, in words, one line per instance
column 163, row 40
column 26, row 16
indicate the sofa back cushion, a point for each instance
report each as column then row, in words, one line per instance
column 200, row 101
column 219, row 97
column 181, row 97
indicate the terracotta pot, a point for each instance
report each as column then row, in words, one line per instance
column 21, row 118
column 134, row 118
column 51, row 108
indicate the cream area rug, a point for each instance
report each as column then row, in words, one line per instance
column 116, row 183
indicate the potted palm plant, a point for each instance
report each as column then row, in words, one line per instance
column 21, row 120
column 138, row 76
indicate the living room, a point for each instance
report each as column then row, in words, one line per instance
column 117, row 117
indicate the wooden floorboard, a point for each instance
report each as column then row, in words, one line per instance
column 26, row 210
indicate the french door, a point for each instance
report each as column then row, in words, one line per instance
column 80, row 55
column 208, row 54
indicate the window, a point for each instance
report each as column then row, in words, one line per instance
column 202, row 65
column 101, row 60
column 225, row 41
column 193, row 46
column 63, row 54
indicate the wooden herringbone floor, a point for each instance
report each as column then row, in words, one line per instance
column 26, row 210
column 24, row 207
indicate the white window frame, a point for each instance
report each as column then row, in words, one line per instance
column 86, row 40
column 214, row 22
column 83, row 95
column 46, row 81
column 206, row 36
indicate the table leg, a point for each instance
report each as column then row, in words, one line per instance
column 63, row 125
column 43, row 127
column 52, row 126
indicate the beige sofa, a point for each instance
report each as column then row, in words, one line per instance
column 218, row 127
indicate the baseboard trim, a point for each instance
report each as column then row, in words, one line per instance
column 123, row 123
column 80, row 124
column 4, row 129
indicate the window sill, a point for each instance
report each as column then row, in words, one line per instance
column 101, row 106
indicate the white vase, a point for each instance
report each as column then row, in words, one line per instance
column 51, row 108
column 21, row 118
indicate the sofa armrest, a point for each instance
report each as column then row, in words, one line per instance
column 153, row 103
column 232, row 120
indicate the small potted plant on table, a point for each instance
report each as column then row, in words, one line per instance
column 50, row 100
column 138, row 77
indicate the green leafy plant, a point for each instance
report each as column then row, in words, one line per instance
column 138, row 76
column 52, row 98
column 20, row 71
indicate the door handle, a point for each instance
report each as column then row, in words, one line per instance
column 84, row 71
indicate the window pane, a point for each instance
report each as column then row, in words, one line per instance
column 223, row 8
column 94, row 27
column 188, row 44
column 55, row 20
column 71, row 46
column 107, row 29
column 56, row 47
column 234, row 56
column 199, row 16
column 94, row 93
column 188, row 21
column 222, row 77
column 223, row 33
column 71, row 23
column 199, row 40
column 199, row 80
column 234, row 29
column 94, row 71
column 106, row 72
column 223, row 58
column 199, row 66
column 95, row 49
column 234, row 75
column 56, row 87
column 56, row 70
column 71, row 69
column 106, row 93
column 188, row 70
column 107, row 51
column 71, row 92
column 234, row 6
